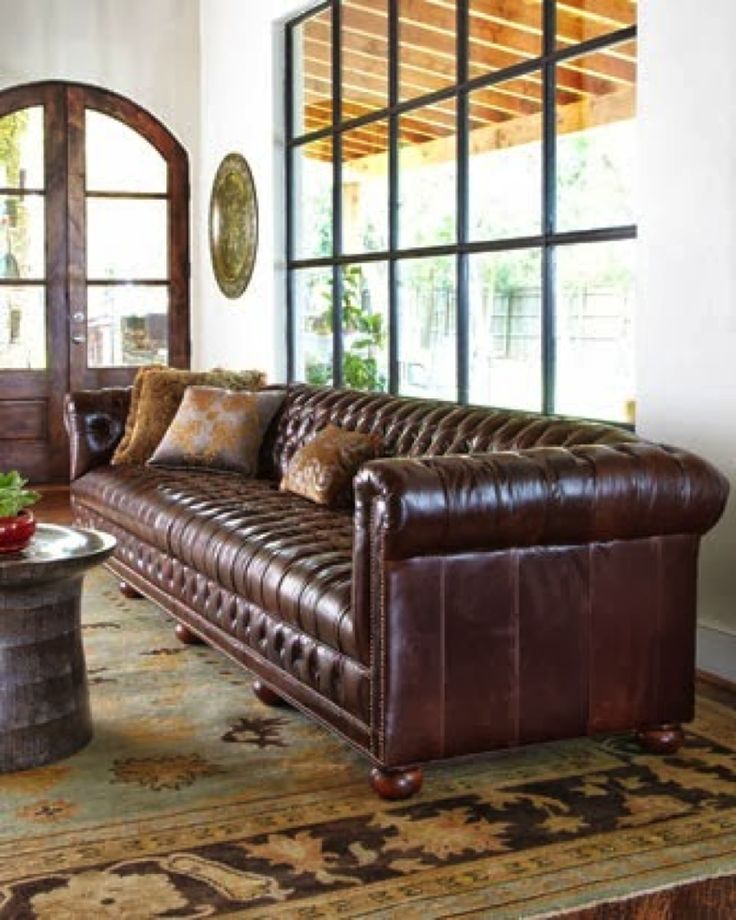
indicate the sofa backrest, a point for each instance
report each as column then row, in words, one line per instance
column 413, row 427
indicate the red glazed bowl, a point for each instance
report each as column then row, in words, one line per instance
column 16, row 532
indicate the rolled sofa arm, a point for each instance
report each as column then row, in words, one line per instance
column 540, row 496
column 95, row 422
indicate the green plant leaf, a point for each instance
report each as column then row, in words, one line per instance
column 13, row 496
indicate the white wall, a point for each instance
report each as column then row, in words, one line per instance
column 687, row 315
column 242, row 93
column 147, row 50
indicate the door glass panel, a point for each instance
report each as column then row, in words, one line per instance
column 581, row 20
column 427, row 46
column 364, row 57
column 596, row 141
column 22, row 149
column 595, row 330
column 22, row 236
column 127, row 325
column 427, row 175
column 126, row 239
column 506, row 329
column 365, row 326
column 503, row 34
column 505, row 169
column 119, row 159
column 22, row 328
column 312, row 202
column 313, row 303
column 365, row 188
column 428, row 328
column 312, row 69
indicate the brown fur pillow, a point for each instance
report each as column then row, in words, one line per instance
column 161, row 392
column 135, row 397
column 323, row 469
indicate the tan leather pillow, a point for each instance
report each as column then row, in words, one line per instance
column 161, row 393
column 218, row 429
column 323, row 469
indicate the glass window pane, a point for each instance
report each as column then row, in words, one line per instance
column 506, row 329
column 427, row 328
column 22, row 328
column 365, row 188
column 502, row 35
column 313, row 322
column 427, row 176
column 364, row 57
column 506, row 160
column 365, row 326
column 427, row 46
column 312, row 73
column 119, row 159
column 596, row 144
column 22, row 149
column 312, row 199
column 127, row 325
column 595, row 330
column 580, row 20
column 127, row 239
column 22, row 237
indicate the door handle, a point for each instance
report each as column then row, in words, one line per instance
column 78, row 338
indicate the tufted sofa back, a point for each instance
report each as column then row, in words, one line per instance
column 420, row 427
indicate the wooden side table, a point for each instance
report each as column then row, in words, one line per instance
column 44, row 697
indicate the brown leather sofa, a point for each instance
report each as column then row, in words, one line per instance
column 504, row 579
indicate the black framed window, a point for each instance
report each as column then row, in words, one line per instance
column 461, row 200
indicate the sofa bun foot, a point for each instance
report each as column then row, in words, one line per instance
column 396, row 784
column 185, row 635
column 129, row 591
column 266, row 695
column 661, row 739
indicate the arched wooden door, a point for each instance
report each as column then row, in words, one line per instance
column 94, row 258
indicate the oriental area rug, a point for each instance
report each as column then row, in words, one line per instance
column 193, row 800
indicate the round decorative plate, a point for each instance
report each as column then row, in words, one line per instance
column 233, row 225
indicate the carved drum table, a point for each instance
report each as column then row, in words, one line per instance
column 44, row 698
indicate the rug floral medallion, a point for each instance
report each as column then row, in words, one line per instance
column 194, row 800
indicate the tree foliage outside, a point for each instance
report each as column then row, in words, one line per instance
column 365, row 338
column 12, row 129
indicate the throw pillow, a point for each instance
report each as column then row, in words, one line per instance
column 135, row 397
column 323, row 469
column 161, row 393
column 218, row 429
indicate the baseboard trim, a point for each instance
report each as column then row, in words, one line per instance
column 716, row 656
column 715, row 681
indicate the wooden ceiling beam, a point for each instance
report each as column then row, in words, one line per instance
column 578, row 116
column 438, row 63
column 430, row 25
column 491, row 104
column 436, row 121
column 616, row 13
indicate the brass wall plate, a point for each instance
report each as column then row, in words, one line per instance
column 233, row 225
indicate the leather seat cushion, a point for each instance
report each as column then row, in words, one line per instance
column 280, row 552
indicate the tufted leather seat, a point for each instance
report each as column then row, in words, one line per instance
column 505, row 577
column 276, row 550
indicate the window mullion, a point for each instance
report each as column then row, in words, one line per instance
column 338, row 348
column 549, row 206
column 462, row 281
column 393, row 196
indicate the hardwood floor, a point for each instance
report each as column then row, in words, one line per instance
column 54, row 506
